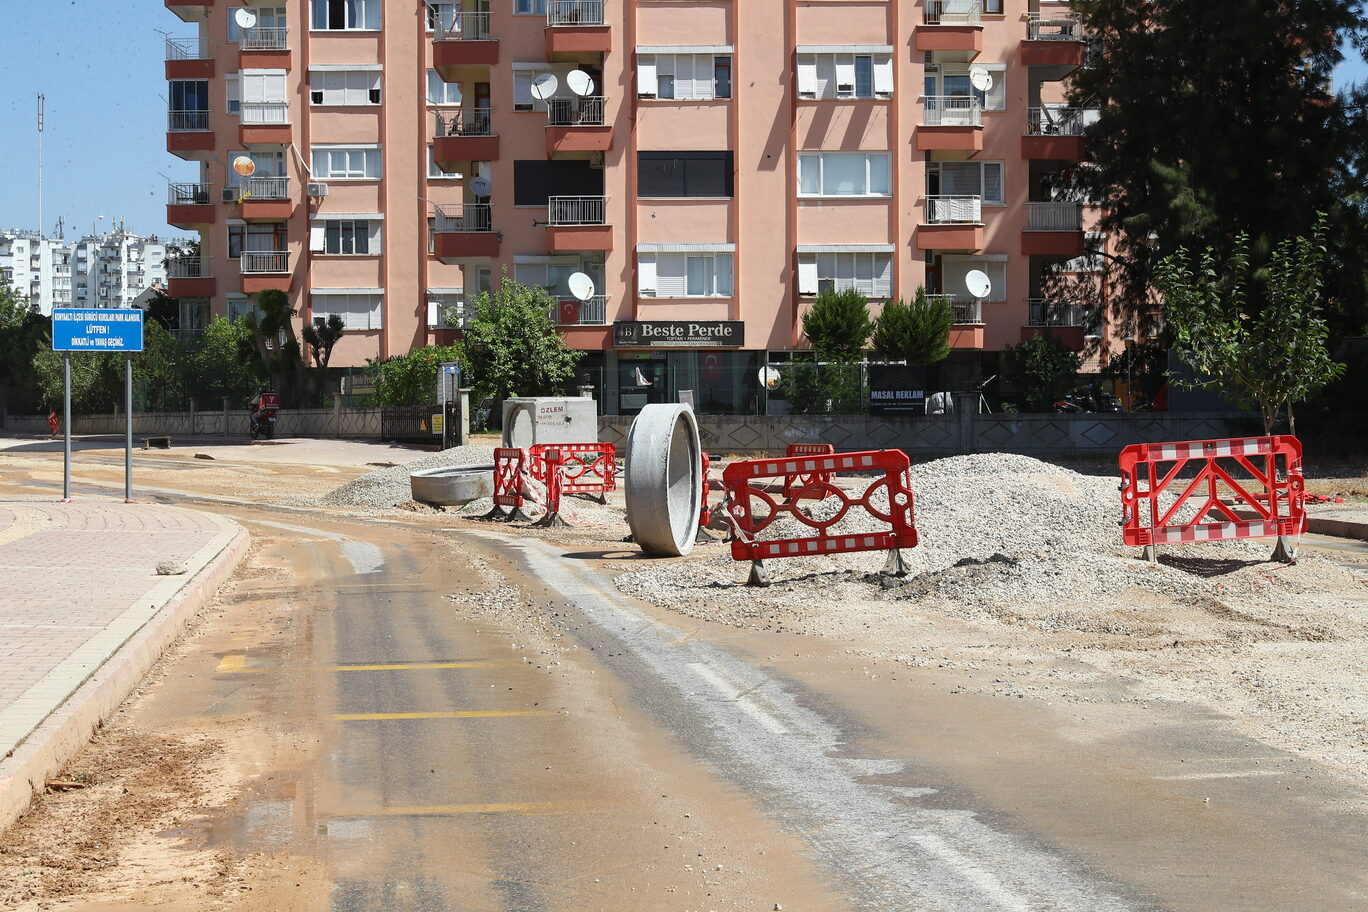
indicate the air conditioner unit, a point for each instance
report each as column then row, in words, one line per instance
column 317, row 188
column 230, row 194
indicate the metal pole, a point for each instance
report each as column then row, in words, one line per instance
column 66, row 427
column 128, row 428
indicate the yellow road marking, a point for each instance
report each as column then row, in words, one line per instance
column 457, row 714
column 418, row 666
column 444, row 810
column 232, row 664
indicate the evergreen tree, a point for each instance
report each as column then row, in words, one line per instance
column 918, row 333
column 838, row 325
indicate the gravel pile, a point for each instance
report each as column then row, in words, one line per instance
column 390, row 487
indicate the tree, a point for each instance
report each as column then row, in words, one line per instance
column 321, row 337
column 277, row 346
column 1218, row 115
column 22, row 334
column 1271, row 358
column 918, row 333
column 223, row 363
column 1042, row 369
column 411, row 379
column 511, row 345
column 838, row 325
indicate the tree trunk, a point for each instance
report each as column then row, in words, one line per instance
column 1270, row 415
column 1291, row 420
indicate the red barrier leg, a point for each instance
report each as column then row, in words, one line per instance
column 552, row 519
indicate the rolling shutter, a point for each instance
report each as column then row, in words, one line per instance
column 646, row 275
column 807, row 273
column 883, row 75
column 646, row 76
column 807, row 75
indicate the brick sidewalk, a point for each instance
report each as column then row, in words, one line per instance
column 76, row 582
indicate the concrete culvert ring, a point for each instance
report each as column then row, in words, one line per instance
column 664, row 481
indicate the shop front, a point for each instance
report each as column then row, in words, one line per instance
column 657, row 361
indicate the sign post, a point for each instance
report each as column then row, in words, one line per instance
column 97, row 330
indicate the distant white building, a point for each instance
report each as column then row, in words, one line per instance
column 108, row 270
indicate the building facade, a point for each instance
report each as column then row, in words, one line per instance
column 711, row 166
column 99, row 270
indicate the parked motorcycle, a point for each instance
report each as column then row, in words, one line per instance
column 1088, row 400
column 262, row 420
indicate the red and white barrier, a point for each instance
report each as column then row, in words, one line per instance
column 1249, row 487
column 586, row 468
column 510, row 465
column 811, row 485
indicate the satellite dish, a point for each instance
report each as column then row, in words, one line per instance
column 978, row 283
column 480, row 185
column 980, row 78
column 769, row 378
column 581, row 286
column 580, row 82
column 244, row 165
column 245, row 18
column 544, row 86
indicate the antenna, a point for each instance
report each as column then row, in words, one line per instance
column 580, row 82
column 980, row 77
column 978, row 283
column 41, row 107
column 544, row 86
column 581, row 286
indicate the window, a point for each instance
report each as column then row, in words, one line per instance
column 992, row 7
column 359, row 310
column 345, row 236
column 267, row 17
column 241, row 306
column 1091, row 260
column 189, row 94
column 436, row 173
column 846, row 75
column 843, row 174
column 530, row 7
column 955, row 269
column 969, row 178
column 684, row 174
column 256, row 239
column 523, row 99
column 440, row 92
column 536, row 179
column 868, row 272
column 952, row 79
column 269, row 163
column 551, row 273
column 346, row 162
column 263, row 97
column 232, row 87
column 345, row 15
column 701, row 274
column 450, row 308
column 443, row 12
column 684, row 77
column 344, row 87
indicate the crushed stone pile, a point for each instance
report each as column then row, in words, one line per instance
column 389, row 487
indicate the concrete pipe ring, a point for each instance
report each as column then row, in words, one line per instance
column 664, row 480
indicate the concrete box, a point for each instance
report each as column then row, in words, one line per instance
column 527, row 422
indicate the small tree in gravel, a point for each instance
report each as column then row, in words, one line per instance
column 1043, row 369
column 511, row 343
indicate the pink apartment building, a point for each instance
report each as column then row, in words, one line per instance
column 711, row 164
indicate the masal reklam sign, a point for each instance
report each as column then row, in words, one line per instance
column 97, row 330
column 679, row 334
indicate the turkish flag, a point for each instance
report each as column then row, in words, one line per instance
column 569, row 313
column 711, row 369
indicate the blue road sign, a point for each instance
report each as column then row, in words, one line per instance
column 102, row 330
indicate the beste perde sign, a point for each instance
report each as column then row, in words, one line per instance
column 98, row 330
column 679, row 334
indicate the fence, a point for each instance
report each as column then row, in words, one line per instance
column 463, row 218
column 1054, row 216
column 187, row 121
column 188, row 194
column 337, row 422
column 264, row 39
column 1052, row 28
column 465, row 122
column 256, row 262
column 461, row 26
column 951, row 111
column 409, row 425
column 954, row 210
column 276, row 188
column 585, row 111
column 1056, row 121
column 574, row 12
column 953, row 12
column 264, row 113
column 576, row 210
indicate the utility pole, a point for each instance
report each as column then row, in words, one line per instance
column 41, row 99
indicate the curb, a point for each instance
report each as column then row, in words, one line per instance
column 1339, row 528
column 48, row 748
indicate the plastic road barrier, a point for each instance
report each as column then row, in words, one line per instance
column 894, row 483
column 553, row 461
column 704, row 514
column 586, row 468
column 1250, row 487
column 510, row 463
column 813, row 485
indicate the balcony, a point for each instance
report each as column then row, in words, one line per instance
column 577, row 125
column 264, row 48
column 577, row 223
column 464, row 232
column 187, row 58
column 190, row 206
column 951, row 25
column 950, row 123
column 188, row 133
column 1053, row 40
column 265, row 122
column 191, row 10
column 189, row 277
column 593, row 312
column 575, row 28
column 1055, row 133
column 263, row 270
column 951, row 223
column 1053, row 229
column 464, row 136
column 967, row 331
column 463, row 40
column 265, row 198
column 1067, row 322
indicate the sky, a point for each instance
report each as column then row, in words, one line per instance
column 100, row 64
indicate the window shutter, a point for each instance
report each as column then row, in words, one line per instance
column 845, row 73
column 522, row 88
column 646, row 76
column 953, row 272
column 722, row 271
column 376, row 306
column 375, row 237
column 960, row 179
column 646, row 275
column 671, row 275
column 703, row 87
column 883, row 75
column 883, row 276
column 807, row 75
column 317, row 229
column 807, row 273
column 996, row 99
column 997, row 272
column 826, row 76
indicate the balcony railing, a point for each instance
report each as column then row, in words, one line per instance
column 951, row 111
column 257, row 262
column 465, row 122
column 1054, row 216
column 576, row 210
column 1052, row 121
column 460, row 26
column 1053, row 27
column 954, row 210
column 265, row 188
column 574, row 12
column 965, row 310
column 187, row 121
column 953, row 12
column 585, row 111
column 265, row 113
column 1044, row 312
column 464, row 218
column 264, row 39
column 188, row 268
column 593, row 312
column 189, row 194
column 185, row 49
